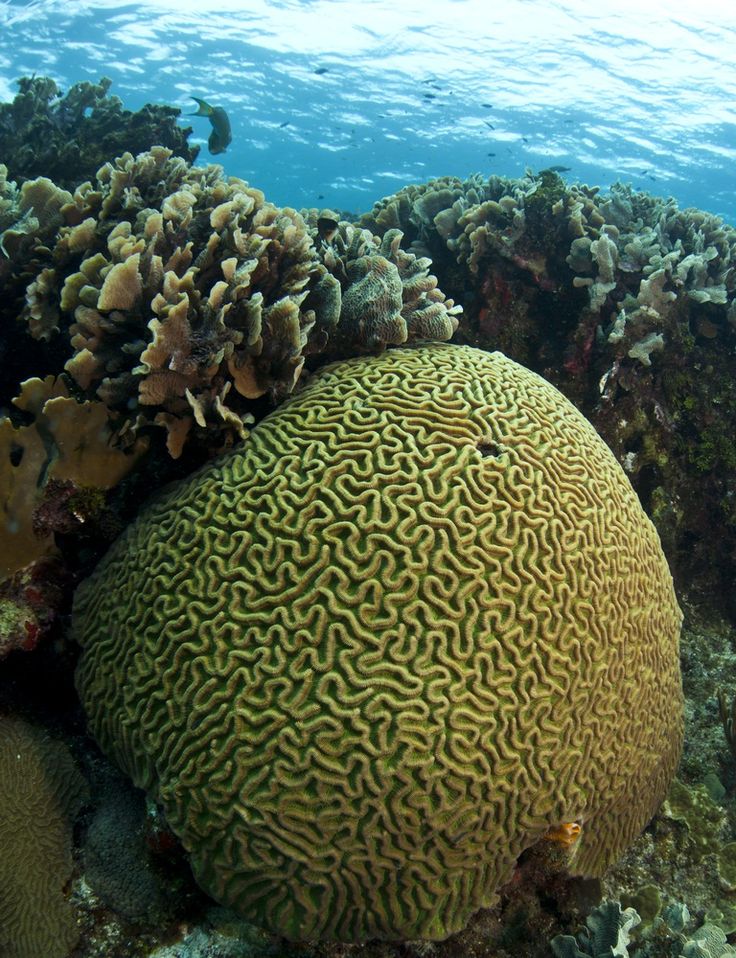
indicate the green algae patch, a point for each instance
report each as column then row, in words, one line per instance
column 704, row 820
column 727, row 866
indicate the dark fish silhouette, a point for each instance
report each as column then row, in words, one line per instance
column 220, row 137
column 559, row 169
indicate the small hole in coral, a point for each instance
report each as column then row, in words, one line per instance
column 487, row 447
column 16, row 454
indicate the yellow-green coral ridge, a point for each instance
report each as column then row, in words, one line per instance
column 368, row 658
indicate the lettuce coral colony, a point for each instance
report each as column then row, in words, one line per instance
column 173, row 299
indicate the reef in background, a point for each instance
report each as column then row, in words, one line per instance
column 623, row 301
column 68, row 136
column 627, row 304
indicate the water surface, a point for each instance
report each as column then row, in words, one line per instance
column 339, row 102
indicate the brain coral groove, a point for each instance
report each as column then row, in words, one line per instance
column 367, row 659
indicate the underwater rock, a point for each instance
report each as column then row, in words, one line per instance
column 418, row 620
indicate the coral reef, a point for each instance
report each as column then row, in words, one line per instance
column 626, row 304
column 709, row 941
column 41, row 793
column 606, row 934
column 30, row 602
column 166, row 300
column 387, row 296
column 68, row 137
column 67, row 442
column 151, row 312
column 685, row 853
column 727, row 712
column 225, row 937
column 702, row 817
column 611, row 931
column 419, row 615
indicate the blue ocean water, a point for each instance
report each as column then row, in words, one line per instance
column 340, row 102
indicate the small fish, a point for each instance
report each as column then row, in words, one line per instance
column 429, row 96
column 320, row 71
column 489, row 125
column 328, row 224
column 487, row 106
column 220, row 137
column 282, row 125
column 559, row 169
column 566, row 834
column 490, row 154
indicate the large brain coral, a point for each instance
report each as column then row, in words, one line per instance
column 366, row 660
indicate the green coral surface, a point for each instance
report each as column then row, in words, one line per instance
column 367, row 659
